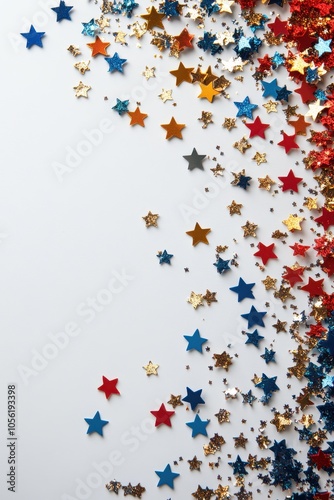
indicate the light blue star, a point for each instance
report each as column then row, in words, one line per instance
column 166, row 476
column 90, row 28
column 115, row 63
column 270, row 88
column 96, row 424
column 121, row 106
column 328, row 381
column 33, row 37
column 195, row 341
column 244, row 43
column 245, row 108
column 277, row 60
column 323, row 46
column 198, row 426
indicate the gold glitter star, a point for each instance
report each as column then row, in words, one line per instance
column 166, row 95
column 293, row 223
column 242, row 145
column 280, row 325
column 210, row 297
column 260, row 158
column 304, row 399
column 218, row 170
column 194, row 464
column 151, row 369
column 82, row 66
column 75, row 51
column 151, row 219
column 225, row 6
column 222, row 492
column 311, row 203
column 263, row 441
column 249, row 229
column 120, row 37
column 307, row 421
column 229, row 123
column 175, row 400
column 281, row 421
column 149, row 72
column 221, row 83
column 240, row 441
column 290, row 111
column 206, row 118
column 81, row 90
column 138, row 30
column 235, row 208
column 283, row 293
column 223, row 416
column 298, row 64
column 265, row 183
column 223, row 360
column 269, row 283
column 103, row 23
column 271, row 106
column 195, row 299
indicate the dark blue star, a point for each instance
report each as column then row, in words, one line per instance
column 279, row 448
column 312, row 75
column 207, row 43
column 245, row 108
column 198, row 426
column 270, row 88
column 194, row 398
column 327, row 414
column 222, row 265
column 244, row 290
column 195, row 341
column 268, row 385
column 282, row 94
column 254, row 317
column 277, row 2
column 209, row 6
column 121, row 106
column 63, row 11
column 238, row 467
column 164, row 257
column 166, row 477
column 115, row 63
column 248, row 398
column 33, row 37
column 170, row 9
column 269, row 355
column 253, row 338
column 243, row 181
column 328, row 343
column 90, row 28
column 315, row 375
column 96, row 424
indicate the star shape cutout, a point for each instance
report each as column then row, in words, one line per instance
column 166, row 95
column 323, row 46
column 208, row 91
column 182, row 74
column 254, row 338
column 249, row 229
column 288, row 142
column 173, row 129
column 293, row 223
column 193, row 398
column 300, row 125
column 162, row 416
column 151, row 219
column 268, row 385
column 254, row 317
column 184, row 40
column 137, row 117
column 153, row 18
column 290, row 182
column 245, row 108
column 109, row 386
column 326, row 219
column 244, row 290
column 198, row 234
column 164, row 257
column 222, row 265
column 306, row 92
column 195, row 341
column 257, row 128
column 235, row 208
column 33, row 37
column 96, row 424
column 98, row 47
column 194, row 464
column 321, row 460
column 151, row 369
column 270, row 88
column 260, row 158
column 62, row 11
column 82, row 66
column 195, row 160
column 314, row 110
column 265, row 252
column 278, row 27
column 314, row 287
column 198, row 426
column 265, row 182
column 175, row 401
column 269, row 283
column 81, row 90
column 203, row 493
column 223, row 360
column 121, row 106
column 90, row 28
column 166, row 477
column 210, row 297
column 238, row 467
column 299, row 249
column 195, row 299
column 115, row 63
column 271, row 106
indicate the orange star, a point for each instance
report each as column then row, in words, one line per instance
column 207, row 92
column 173, row 129
column 299, row 125
column 184, row 39
column 137, row 118
column 199, row 234
column 153, row 18
column 98, row 47
column 182, row 74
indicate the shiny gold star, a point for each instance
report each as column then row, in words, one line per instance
column 304, row 399
column 293, row 223
column 151, row 219
column 195, row 299
column 207, row 92
column 120, row 37
column 149, row 72
column 221, row 83
column 223, row 416
column 210, row 297
column 229, row 123
column 222, row 492
column 298, row 64
column 314, row 110
column 260, row 158
column 281, row 421
column 271, row 106
column 265, row 183
column 153, row 18
column 311, row 203
column 240, row 441
column 206, row 118
column 283, row 293
column 223, row 360
column 151, row 369
column 242, row 145
column 307, row 421
column 218, row 170
column 75, row 51
column 81, row 90
column 269, row 283
column 82, row 66
column 235, row 208
column 138, row 30
column 249, row 229
column 280, row 326
column 175, row 401
column 199, row 234
column 103, row 23
column 166, row 95
column 194, row 464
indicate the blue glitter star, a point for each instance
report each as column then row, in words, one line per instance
column 198, row 426
column 164, row 257
column 254, row 317
column 269, row 355
column 222, row 265
column 90, row 28
column 238, row 467
column 327, row 415
column 268, row 385
column 244, row 290
column 121, row 106
column 207, row 43
column 277, row 60
column 63, row 11
column 312, row 75
column 166, row 477
column 33, row 37
column 96, row 424
column 270, row 88
column 248, row 398
column 245, row 108
column 328, row 343
column 170, row 8
column 195, row 341
column 254, row 338
column 282, row 94
column 115, row 63
column 320, row 94
column 194, row 398
column 323, row 46
column 209, row 6
column 243, row 181
column 128, row 6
